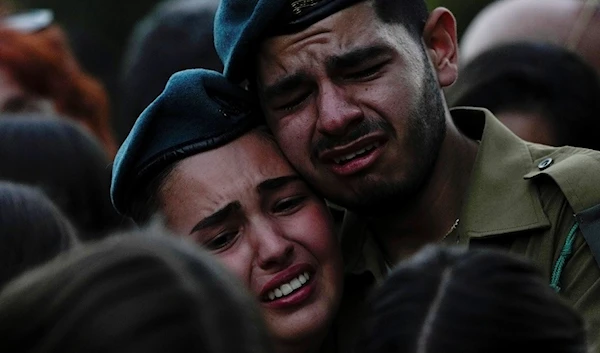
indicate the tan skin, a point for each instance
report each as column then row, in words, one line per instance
column 323, row 96
column 245, row 204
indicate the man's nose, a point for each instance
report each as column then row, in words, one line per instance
column 274, row 250
column 337, row 111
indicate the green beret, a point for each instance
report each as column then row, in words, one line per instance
column 198, row 110
column 240, row 25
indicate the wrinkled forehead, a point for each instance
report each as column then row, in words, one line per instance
column 354, row 28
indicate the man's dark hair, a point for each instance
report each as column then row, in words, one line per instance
column 454, row 300
column 411, row 13
column 145, row 200
column 32, row 230
column 535, row 78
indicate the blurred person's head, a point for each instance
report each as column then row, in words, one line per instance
column 543, row 93
column 139, row 292
column 38, row 73
column 32, row 230
column 455, row 300
column 66, row 162
column 175, row 35
column 572, row 24
column 197, row 156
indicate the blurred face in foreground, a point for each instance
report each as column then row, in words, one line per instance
column 246, row 204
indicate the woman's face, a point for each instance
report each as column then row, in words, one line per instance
column 244, row 203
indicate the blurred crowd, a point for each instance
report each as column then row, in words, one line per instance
column 80, row 273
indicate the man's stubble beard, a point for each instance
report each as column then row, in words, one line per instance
column 374, row 197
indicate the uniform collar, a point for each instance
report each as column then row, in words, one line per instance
column 499, row 199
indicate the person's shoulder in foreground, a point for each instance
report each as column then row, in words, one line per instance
column 447, row 299
column 140, row 291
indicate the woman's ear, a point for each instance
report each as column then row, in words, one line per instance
column 441, row 43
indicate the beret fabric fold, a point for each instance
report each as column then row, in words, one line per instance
column 238, row 26
column 198, row 110
column 241, row 24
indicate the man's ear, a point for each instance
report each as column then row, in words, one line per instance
column 441, row 43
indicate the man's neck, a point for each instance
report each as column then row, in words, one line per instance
column 435, row 210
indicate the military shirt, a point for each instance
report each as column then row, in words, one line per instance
column 521, row 197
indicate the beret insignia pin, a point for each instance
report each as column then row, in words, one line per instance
column 298, row 6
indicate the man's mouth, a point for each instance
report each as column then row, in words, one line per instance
column 354, row 157
column 288, row 288
column 351, row 156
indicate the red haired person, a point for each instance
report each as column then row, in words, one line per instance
column 39, row 73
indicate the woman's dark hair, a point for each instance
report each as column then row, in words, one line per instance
column 67, row 163
column 32, row 230
column 138, row 292
column 454, row 300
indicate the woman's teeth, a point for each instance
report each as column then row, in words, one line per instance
column 350, row 156
column 288, row 288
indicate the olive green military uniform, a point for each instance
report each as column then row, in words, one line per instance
column 530, row 199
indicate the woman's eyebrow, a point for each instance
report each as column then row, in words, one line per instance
column 276, row 183
column 217, row 217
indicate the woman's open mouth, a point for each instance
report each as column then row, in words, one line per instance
column 290, row 287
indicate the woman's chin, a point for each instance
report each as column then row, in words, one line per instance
column 303, row 327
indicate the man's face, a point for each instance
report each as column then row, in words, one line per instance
column 355, row 107
column 245, row 204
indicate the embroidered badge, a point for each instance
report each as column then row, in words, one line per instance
column 298, row 6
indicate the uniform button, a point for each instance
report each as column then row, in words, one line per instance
column 545, row 163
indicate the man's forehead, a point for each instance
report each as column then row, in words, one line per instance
column 323, row 45
column 303, row 66
column 240, row 25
